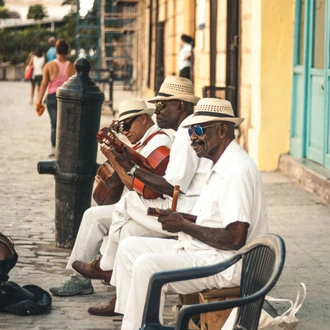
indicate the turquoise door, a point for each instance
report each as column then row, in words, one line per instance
column 310, row 125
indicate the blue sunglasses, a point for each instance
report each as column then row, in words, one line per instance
column 198, row 129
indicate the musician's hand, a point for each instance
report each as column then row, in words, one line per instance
column 172, row 222
column 107, row 152
column 123, row 159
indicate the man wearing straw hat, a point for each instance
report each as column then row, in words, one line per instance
column 230, row 212
column 136, row 124
column 174, row 106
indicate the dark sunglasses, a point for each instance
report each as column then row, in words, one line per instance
column 162, row 105
column 198, row 129
column 125, row 127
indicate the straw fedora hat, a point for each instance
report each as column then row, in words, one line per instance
column 132, row 108
column 176, row 88
column 212, row 109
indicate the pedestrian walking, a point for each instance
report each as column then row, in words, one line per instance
column 55, row 73
column 51, row 52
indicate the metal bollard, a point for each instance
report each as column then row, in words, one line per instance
column 78, row 121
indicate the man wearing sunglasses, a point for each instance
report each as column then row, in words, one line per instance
column 174, row 105
column 136, row 123
column 230, row 212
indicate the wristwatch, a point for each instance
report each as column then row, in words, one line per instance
column 132, row 171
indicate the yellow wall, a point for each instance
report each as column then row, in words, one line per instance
column 271, row 80
column 245, row 72
column 265, row 70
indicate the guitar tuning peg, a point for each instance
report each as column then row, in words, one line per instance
column 115, row 126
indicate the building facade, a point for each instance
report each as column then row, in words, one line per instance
column 243, row 48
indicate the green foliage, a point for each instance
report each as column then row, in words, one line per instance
column 2, row 3
column 69, row 2
column 4, row 12
column 17, row 44
column 68, row 30
column 37, row 12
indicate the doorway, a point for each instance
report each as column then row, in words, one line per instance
column 310, row 126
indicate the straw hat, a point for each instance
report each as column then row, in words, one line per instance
column 176, row 88
column 211, row 109
column 132, row 108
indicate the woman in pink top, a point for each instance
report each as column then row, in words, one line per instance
column 55, row 73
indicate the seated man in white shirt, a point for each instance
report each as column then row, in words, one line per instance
column 230, row 212
column 136, row 123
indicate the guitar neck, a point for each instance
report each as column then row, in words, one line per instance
column 137, row 158
column 107, row 136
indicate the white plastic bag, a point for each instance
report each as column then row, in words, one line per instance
column 285, row 321
column 288, row 319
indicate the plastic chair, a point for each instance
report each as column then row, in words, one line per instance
column 262, row 264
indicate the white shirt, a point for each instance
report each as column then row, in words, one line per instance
column 233, row 192
column 183, row 53
column 38, row 64
column 155, row 142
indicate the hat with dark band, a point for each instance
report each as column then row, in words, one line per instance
column 132, row 108
column 212, row 109
column 176, row 88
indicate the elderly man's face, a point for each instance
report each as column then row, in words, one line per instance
column 166, row 113
column 133, row 128
column 206, row 139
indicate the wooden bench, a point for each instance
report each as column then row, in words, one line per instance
column 212, row 320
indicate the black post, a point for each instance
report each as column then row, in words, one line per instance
column 78, row 121
column 111, row 79
column 213, row 43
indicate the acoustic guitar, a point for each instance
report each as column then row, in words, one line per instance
column 155, row 163
column 109, row 186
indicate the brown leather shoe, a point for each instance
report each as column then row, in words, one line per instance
column 92, row 270
column 104, row 310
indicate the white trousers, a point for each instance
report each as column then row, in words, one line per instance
column 140, row 257
column 126, row 218
column 93, row 227
column 130, row 218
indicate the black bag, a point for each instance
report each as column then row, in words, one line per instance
column 25, row 300
column 8, row 256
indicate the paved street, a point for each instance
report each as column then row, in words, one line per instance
column 27, row 215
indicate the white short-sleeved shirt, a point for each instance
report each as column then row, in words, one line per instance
column 38, row 64
column 233, row 192
column 185, row 51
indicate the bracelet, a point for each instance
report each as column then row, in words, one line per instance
column 132, row 171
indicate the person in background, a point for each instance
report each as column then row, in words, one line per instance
column 184, row 60
column 38, row 62
column 51, row 52
column 55, row 73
